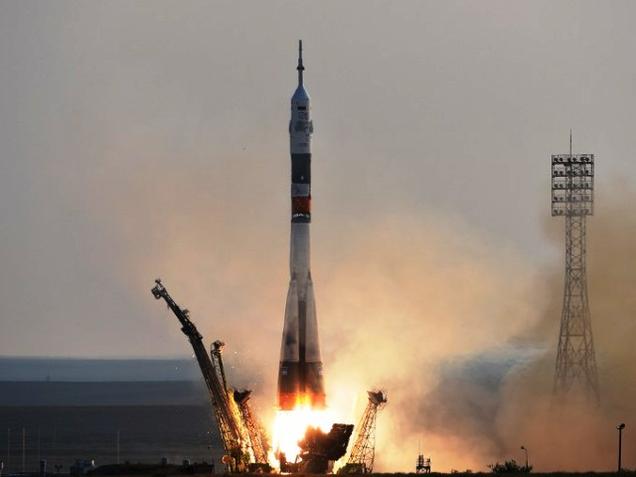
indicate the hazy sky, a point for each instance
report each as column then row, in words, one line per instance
column 144, row 139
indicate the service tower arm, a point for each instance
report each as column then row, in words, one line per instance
column 239, row 401
column 229, row 428
column 362, row 455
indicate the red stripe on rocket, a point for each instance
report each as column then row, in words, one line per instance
column 301, row 205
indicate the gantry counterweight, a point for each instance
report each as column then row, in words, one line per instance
column 572, row 197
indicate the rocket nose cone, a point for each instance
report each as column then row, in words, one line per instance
column 300, row 94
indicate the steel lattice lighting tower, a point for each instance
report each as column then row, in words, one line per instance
column 573, row 198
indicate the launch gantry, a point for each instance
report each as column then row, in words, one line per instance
column 254, row 430
column 362, row 454
column 243, row 439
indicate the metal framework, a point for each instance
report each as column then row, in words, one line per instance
column 239, row 403
column 362, row 454
column 573, row 198
column 244, row 443
column 423, row 465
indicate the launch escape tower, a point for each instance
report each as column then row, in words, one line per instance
column 362, row 454
column 573, row 198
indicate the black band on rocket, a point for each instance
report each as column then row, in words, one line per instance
column 301, row 188
column 301, row 168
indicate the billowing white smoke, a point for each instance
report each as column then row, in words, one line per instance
column 404, row 302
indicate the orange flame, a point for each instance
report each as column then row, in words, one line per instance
column 289, row 428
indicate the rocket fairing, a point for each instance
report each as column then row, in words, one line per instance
column 300, row 379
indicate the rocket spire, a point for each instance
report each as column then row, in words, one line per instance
column 300, row 66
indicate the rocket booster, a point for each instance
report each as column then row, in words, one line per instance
column 300, row 373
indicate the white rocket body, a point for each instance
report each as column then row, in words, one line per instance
column 300, row 379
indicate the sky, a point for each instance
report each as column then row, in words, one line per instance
column 149, row 139
column 128, row 128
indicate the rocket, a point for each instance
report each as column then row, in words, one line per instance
column 300, row 379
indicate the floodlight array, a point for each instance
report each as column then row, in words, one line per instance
column 572, row 184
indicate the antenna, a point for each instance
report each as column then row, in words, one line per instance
column 300, row 66
column 570, row 143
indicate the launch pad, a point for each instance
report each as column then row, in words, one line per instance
column 246, row 443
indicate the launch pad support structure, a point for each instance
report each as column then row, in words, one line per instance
column 362, row 455
column 244, row 441
column 573, row 198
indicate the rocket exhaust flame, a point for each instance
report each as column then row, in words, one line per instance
column 289, row 428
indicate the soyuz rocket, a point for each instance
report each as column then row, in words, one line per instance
column 300, row 379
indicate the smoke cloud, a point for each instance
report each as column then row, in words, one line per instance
column 483, row 410
column 575, row 435
column 456, row 325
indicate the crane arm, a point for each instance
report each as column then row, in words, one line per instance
column 229, row 428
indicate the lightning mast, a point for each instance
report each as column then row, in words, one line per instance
column 573, row 198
